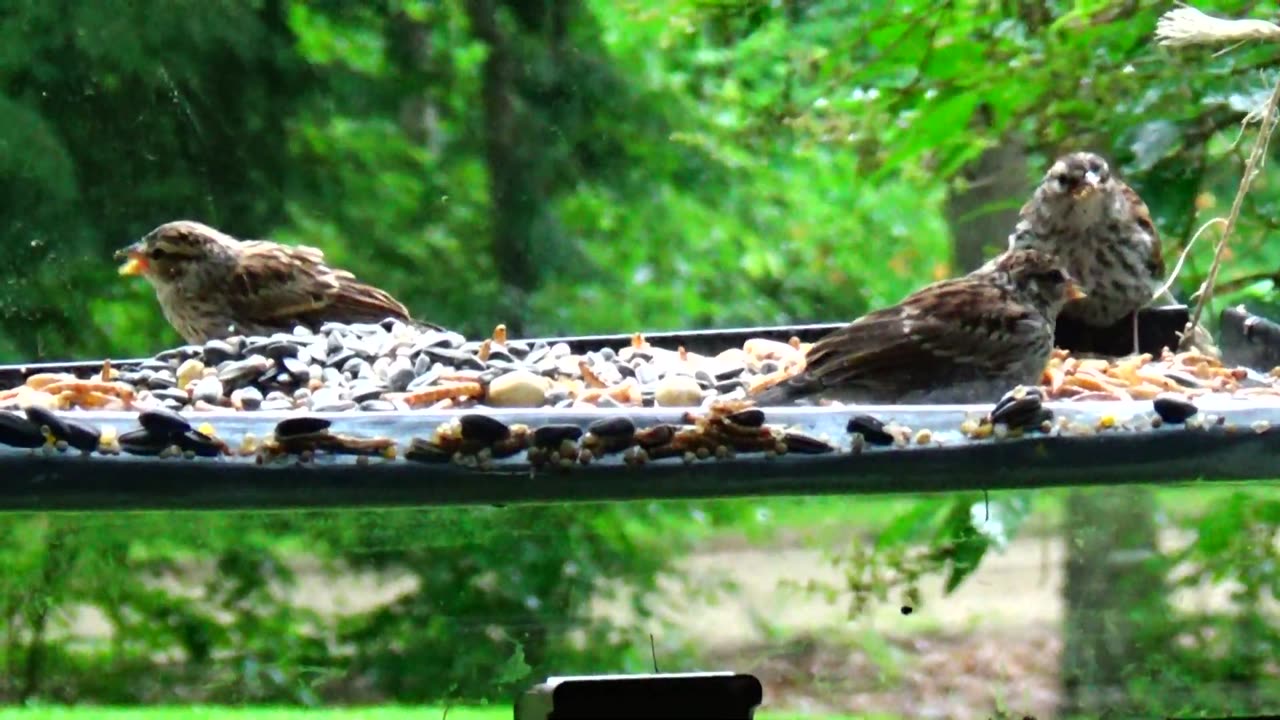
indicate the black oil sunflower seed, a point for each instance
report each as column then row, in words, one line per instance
column 482, row 429
column 870, row 428
column 1021, row 408
column 805, row 445
column 81, row 436
column 748, row 418
column 1173, row 408
column 552, row 436
column 424, row 451
column 143, row 442
column 620, row 428
column 199, row 443
column 163, row 423
column 655, row 436
column 17, row 431
column 300, row 426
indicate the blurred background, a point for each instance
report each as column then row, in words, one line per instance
column 684, row 164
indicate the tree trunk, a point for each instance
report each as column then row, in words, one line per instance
column 984, row 208
column 1115, row 600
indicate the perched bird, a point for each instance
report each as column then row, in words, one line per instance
column 1103, row 233
column 967, row 339
column 211, row 285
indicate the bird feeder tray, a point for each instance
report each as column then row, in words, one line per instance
column 269, row 459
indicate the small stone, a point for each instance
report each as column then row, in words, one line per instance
column 421, row 365
column 249, row 398
column 332, row 377
column 328, row 399
column 648, row 374
column 300, row 371
column 319, row 351
column 241, row 372
column 363, row 391
column 378, row 405
column 162, row 380
column 208, row 389
column 171, row 394
column 189, row 372
column 519, row 388
column 678, row 391
column 277, row 405
column 560, row 350
column 217, row 352
column 301, row 395
column 400, row 374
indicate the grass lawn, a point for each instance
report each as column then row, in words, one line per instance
column 429, row 712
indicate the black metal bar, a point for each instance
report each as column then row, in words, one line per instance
column 1242, row 447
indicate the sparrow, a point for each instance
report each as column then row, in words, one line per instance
column 1103, row 233
column 963, row 340
column 211, row 285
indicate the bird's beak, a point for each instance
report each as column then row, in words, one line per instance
column 1074, row 292
column 1090, row 185
column 135, row 262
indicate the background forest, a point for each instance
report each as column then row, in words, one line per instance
column 683, row 164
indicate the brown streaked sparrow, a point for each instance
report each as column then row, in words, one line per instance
column 1103, row 233
column 964, row 340
column 211, row 285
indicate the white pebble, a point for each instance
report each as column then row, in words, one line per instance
column 519, row 388
column 678, row 391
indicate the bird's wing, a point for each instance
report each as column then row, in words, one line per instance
column 954, row 321
column 1142, row 216
column 278, row 282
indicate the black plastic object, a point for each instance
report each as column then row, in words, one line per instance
column 1158, row 328
column 1249, row 340
column 687, row 696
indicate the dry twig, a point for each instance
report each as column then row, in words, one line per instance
column 1185, row 26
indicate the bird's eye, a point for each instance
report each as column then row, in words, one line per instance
column 158, row 253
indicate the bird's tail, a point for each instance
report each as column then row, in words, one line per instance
column 787, row 391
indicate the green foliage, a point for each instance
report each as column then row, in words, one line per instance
column 561, row 167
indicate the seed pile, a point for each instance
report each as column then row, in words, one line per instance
column 392, row 367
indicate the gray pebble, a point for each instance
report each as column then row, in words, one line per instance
column 537, row 353
column 399, row 375
column 332, row 377
column 421, row 365
column 218, row 351
column 560, row 350
column 300, row 371
column 277, row 405
column 208, row 389
column 302, row 395
column 162, row 380
column 378, row 405
column 171, row 393
column 250, row 398
column 647, row 374
column 239, row 372
column 328, row 399
column 362, row 391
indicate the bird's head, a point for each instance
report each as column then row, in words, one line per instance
column 1077, row 176
column 173, row 250
column 1037, row 278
